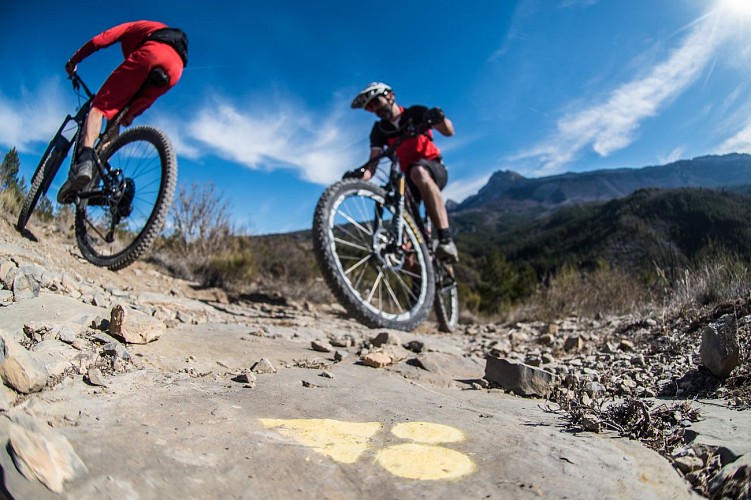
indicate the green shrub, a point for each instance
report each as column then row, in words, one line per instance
column 231, row 270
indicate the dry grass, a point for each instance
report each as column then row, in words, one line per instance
column 571, row 292
column 714, row 279
column 10, row 203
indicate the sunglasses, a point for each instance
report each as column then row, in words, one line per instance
column 374, row 104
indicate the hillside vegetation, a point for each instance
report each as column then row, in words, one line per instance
column 651, row 238
column 655, row 246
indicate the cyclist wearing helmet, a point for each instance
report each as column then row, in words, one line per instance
column 419, row 157
column 146, row 45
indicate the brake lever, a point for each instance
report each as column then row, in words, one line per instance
column 75, row 82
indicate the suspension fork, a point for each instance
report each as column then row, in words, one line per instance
column 399, row 209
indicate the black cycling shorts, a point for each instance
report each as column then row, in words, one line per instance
column 437, row 171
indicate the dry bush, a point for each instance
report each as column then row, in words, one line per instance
column 285, row 265
column 715, row 278
column 605, row 290
column 201, row 244
column 65, row 219
column 10, row 202
column 231, row 269
column 200, row 221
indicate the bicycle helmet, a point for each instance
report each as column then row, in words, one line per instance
column 370, row 92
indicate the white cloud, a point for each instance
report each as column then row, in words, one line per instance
column 319, row 148
column 565, row 4
column 738, row 143
column 674, row 155
column 461, row 189
column 33, row 116
column 613, row 124
column 266, row 135
column 523, row 11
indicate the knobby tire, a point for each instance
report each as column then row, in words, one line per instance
column 145, row 155
column 376, row 294
column 446, row 304
column 47, row 168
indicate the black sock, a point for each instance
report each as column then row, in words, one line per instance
column 86, row 153
column 444, row 235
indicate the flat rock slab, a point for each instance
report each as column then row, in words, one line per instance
column 365, row 432
column 723, row 427
column 46, row 308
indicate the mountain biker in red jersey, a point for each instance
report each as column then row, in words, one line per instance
column 419, row 157
column 146, row 45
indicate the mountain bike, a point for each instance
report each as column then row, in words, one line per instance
column 376, row 252
column 120, row 213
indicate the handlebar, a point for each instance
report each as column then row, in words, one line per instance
column 78, row 83
column 416, row 130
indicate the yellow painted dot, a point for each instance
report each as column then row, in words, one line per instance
column 426, row 432
column 425, row 462
column 340, row 441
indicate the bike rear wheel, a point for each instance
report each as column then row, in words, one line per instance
column 46, row 170
column 115, row 229
column 446, row 304
column 380, row 282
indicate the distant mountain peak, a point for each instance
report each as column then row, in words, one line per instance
column 508, row 190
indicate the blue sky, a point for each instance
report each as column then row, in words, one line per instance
column 536, row 86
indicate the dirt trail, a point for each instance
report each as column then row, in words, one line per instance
column 185, row 417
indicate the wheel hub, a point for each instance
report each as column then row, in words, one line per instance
column 386, row 253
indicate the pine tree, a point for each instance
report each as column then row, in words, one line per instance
column 9, row 171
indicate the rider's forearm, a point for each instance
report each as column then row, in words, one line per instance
column 370, row 168
column 446, row 127
column 85, row 51
column 372, row 165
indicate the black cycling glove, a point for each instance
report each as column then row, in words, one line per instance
column 357, row 173
column 434, row 116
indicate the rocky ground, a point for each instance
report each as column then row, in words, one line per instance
column 92, row 358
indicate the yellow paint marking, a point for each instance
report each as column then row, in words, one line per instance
column 425, row 462
column 340, row 441
column 345, row 442
column 426, row 432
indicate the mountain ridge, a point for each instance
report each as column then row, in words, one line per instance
column 507, row 190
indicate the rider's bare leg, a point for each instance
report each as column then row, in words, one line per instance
column 431, row 195
column 92, row 127
column 436, row 209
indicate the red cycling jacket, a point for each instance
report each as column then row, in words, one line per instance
column 384, row 133
column 140, row 59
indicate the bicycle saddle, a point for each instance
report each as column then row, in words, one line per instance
column 157, row 78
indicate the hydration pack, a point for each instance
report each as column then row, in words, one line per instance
column 175, row 38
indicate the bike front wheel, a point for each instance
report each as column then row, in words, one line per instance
column 446, row 297
column 379, row 281
column 117, row 227
column 46, row 170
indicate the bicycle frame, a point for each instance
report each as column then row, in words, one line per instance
column 114, row 223
column 401, row 198
column 114, row 186
column 110, row 131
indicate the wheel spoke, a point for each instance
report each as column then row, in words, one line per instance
column 393, row 295
column 350, row 244
column 354, row 250
column 357, row 264
column 375, row 285
column 140, row 171
column 352, row 221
